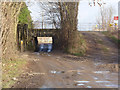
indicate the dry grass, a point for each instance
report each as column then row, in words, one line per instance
column 11, row 69
column 80, row 46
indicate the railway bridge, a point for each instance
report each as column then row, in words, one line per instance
column 25, row 35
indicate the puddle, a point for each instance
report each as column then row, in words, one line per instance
column 89, row 86
column 80, row 84
column 95, row 78
column 82, row 81
column 53, row 72
column 102, row 81
column 57, row 72
column 101, row 72
column 115, row 86
column 79, row 73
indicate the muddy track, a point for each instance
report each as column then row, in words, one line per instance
column 101, row 47
column 98, row 69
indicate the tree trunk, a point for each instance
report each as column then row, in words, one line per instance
column 69, row 12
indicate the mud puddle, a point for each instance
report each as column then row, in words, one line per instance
column 57, row 72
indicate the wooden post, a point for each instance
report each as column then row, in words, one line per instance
column 22, row 46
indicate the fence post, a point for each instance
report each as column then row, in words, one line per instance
column 22, row 46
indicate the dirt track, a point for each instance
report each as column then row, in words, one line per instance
column 97, row 69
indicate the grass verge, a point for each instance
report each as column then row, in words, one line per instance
column 11, row 69
column 112, row 35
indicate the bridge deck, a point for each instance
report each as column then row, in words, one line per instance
column 44, row 32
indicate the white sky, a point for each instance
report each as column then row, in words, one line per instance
column 86, row 14
column 89, row 14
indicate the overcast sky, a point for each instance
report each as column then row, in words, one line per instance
column 89, row 14
column 86, row 14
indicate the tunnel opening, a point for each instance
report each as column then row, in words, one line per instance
column 43, row 44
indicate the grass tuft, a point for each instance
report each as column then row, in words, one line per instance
column 105, row 49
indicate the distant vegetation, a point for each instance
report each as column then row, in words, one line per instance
column 24, row 16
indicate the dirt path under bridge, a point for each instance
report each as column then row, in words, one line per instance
column 97, row 69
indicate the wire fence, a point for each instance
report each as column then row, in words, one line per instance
column 96, row 27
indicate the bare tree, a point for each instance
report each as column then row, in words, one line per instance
column 63, row 15
column 106, row 16
column 69, row 12
column 51, row 13
column 96, row 2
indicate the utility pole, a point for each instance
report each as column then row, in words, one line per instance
column 53, row 21
column 42, row 19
